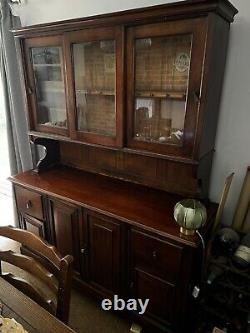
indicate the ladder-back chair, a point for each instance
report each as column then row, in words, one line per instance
column 45, row 265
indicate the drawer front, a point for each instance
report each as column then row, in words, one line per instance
column 29, row 202
column 160, row 258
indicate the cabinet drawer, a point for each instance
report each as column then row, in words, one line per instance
column 29, row 202
column 158, row 257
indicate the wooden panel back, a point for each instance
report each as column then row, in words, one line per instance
column 160, row 173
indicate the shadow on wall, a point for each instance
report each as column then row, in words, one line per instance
column 233, row 139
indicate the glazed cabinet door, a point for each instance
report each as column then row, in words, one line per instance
column 66, row 224
column 102, row 252
column 95, row 69
column 46, row 84
column 164, row 73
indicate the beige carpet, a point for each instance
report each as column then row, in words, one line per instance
column 87, row 316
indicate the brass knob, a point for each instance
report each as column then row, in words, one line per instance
column 28, row 204
column 82, row 251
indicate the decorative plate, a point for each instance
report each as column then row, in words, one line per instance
column 182, row 62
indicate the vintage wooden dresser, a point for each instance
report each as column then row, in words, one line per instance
column 126, row 105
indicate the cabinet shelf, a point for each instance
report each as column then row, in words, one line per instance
column 162, row 94
column 96, row 92
column 47, row 65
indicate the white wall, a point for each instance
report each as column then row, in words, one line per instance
column 233, row 135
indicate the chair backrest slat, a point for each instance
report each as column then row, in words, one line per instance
column 43, row 262
column 31, row 266
column 34, row 242
column 28, row 289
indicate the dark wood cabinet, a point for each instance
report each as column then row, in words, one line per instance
column 126, row 105
column 119, row 247
column 102, row 252
column 66, row 226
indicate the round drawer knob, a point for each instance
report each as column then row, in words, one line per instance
column 28, row 204
column 154, row 254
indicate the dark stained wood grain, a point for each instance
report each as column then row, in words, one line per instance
column 167, row 174
column 31, row 224
column 102, row 252
column 29, row 202
column 66, row 221
column 131, row 203
column 31, row 314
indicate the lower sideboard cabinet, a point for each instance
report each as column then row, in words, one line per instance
column 102, row 252
column 114, row 257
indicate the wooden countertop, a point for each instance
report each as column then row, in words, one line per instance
column 135, row 204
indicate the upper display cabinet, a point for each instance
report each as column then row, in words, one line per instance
column 145, row 81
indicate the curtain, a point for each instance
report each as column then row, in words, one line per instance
column 19, row 148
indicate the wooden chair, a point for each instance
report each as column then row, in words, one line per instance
column 44, row 264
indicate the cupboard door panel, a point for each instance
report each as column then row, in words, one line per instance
column 46, row 86
column 33, row 225
column 66, row 225
column 96, row 80
column 165, row 62
column 103, row 251
column 160, row 293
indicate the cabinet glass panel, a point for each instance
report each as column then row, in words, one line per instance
column 95, row 71
column 49, row 83
column 161, row 82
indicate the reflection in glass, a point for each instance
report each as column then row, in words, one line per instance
column 94, row 67
column 50, row 94
column 161, row 81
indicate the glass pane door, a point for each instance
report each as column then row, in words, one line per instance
column 95, row 86
column 49, row 86
column 161, row 81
